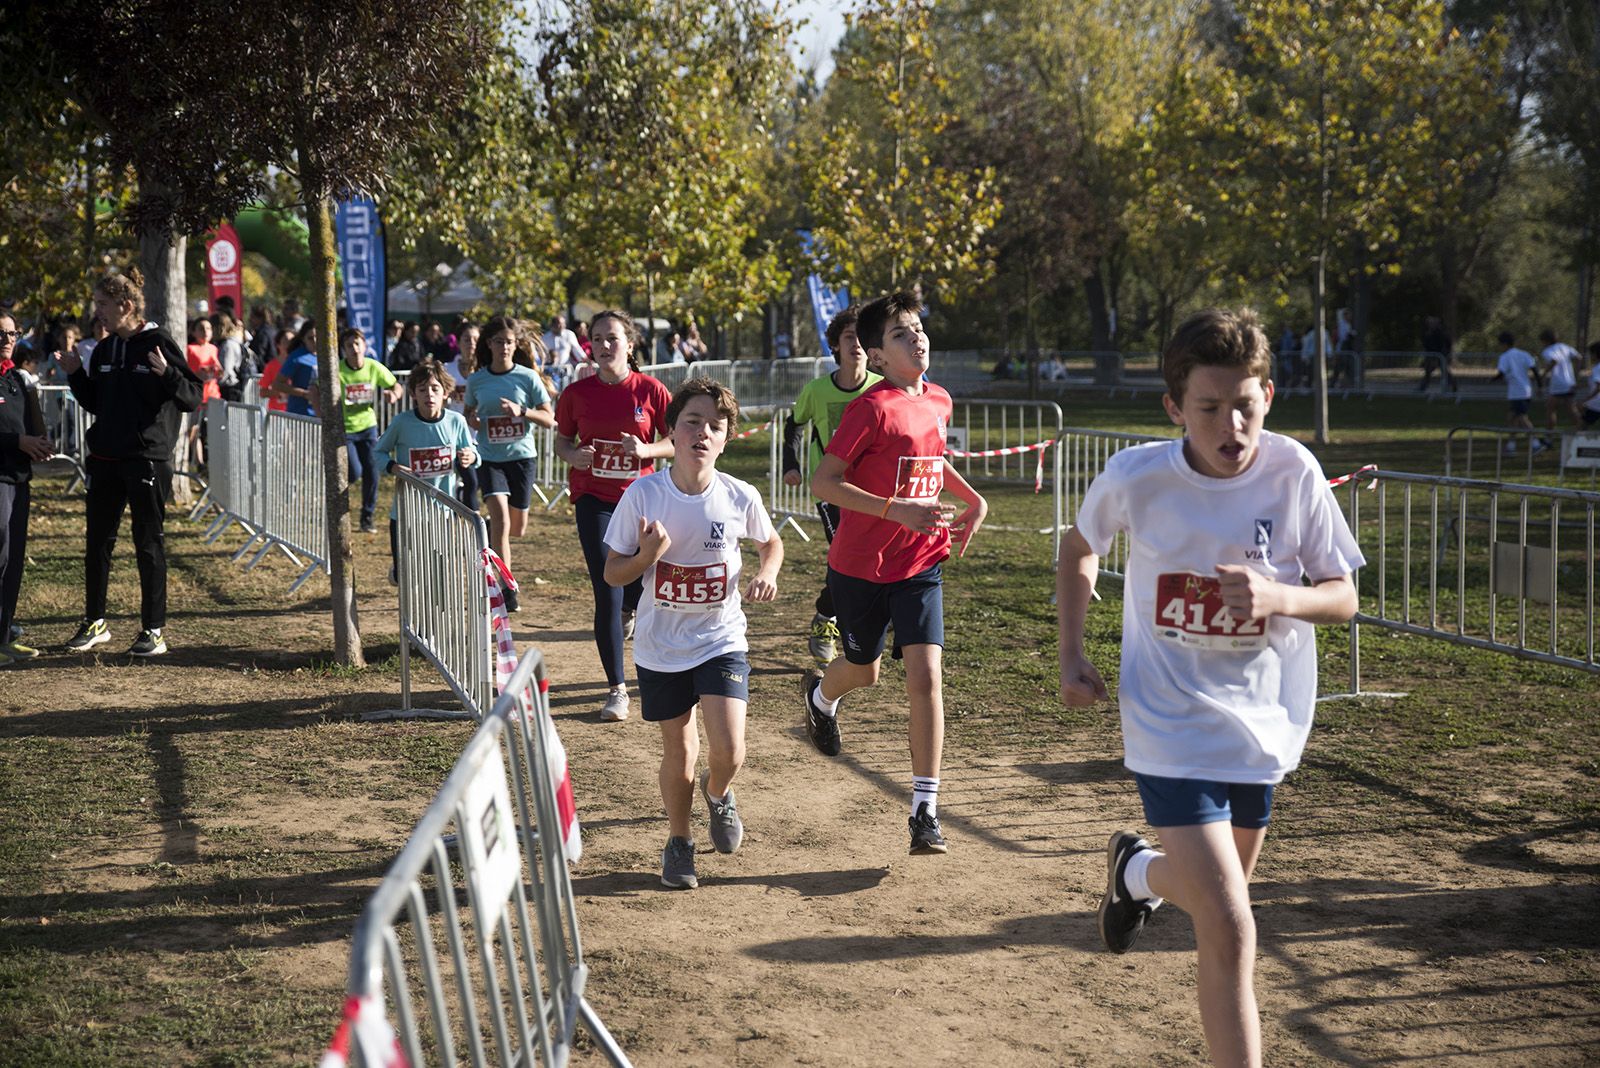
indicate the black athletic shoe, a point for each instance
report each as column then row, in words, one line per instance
column 824, row 729
column 925, row 837
column 1121, row 917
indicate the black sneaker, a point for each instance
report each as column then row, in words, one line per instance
column 1121, row 917
column 368, row 527
column 925, row 837
column 91, row 632
column 824, row 729
column 148, row 643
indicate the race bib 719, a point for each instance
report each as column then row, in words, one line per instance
column 1190, row 612
column 919, row 478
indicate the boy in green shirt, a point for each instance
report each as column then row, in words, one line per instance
column 821, row 402
column 360, row 380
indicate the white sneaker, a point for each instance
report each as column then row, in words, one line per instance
column 615, row 709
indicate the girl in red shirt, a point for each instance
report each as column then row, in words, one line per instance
column 607, row 426
column 203, row 361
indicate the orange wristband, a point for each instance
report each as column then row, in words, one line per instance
column 886, row 506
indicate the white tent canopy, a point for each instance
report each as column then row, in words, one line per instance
column 445, row 292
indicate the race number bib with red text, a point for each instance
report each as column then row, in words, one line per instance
column 1189, row 611
column 690, row 587
column 505, row 429
column 432, row 460
column 919, row 478
column 358, row 393
column 611, row 462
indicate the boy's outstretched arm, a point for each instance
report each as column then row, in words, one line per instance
column 1076, row 570
column 1249, row 594
column 764, row 584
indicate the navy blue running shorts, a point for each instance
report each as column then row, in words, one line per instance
column 1187, row 802
column 865, row 610
column 508, row 478
column 665, row 695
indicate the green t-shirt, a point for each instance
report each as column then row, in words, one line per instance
column 360, row 390
column 822, row 404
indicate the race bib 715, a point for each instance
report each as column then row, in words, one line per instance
column 611, row 462
column 1190, row 612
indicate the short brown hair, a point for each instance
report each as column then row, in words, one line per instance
column 721, row 396
column 1215, row 337
column 875, row 317
column 427, row 368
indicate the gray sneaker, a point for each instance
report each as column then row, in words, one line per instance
column 677, row 865
column 727, row 829
column 823, row 645
column 615, row 710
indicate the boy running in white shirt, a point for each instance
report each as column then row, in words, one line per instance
column 1517, row 369
column 680, row 529
column 1563, row 364
column 1219, row 660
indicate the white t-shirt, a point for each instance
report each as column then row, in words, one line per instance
column 690, row 611
column 564, row 347
column 1561, row 358
column 1202, row 696
column 1517, row 365
column 1593, row 403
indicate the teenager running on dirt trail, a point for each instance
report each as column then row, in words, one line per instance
column 821, row 403
column 137, row 384
column 505, row 401
column 884, row 468
column 678, row 532
column 361, row 380
column 606, row 430
column 1520, row 372
column 428, row 440
column 1219, row 658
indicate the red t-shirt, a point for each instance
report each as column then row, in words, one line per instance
column 594, row 412
column 203, row 358
column 268, row 373
column 893, row 445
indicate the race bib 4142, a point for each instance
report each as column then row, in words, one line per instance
column 1189, row 611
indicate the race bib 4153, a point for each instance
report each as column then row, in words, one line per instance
column 690, row 587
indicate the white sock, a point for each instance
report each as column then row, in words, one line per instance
column 1136, row 875
column 822, row 704
column 924, row 791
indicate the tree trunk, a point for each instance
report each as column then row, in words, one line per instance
column 161, row 259
column 1449, row 285
column 1319, row 332
column 1107, row 365
column 341, row 558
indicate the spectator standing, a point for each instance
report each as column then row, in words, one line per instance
column 1288, row 356
column 694, row 346
column 435, row 345
column 22, row 440
column 296, row 381
column 581, row 331
column 285, row 344
column 207, row 367
column 391, row 336
column 137, row 384
column 460, row 370
column 263, row 336
column 1438, row 354
column 407, row 351
column 231, row 354
column 562, row 344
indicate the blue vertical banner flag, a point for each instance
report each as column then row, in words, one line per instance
column 826, row 301
column 360, row 235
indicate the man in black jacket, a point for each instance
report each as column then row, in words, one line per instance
column 22, row 441
column 137, row 385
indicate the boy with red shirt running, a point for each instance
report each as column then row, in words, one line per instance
column 884, row 468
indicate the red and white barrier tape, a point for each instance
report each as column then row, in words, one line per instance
column 752, row 431
column 1357, row 473
column 1013, row 450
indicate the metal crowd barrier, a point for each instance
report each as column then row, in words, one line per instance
column 1511, row 452
column 789, row 504
column 293, row 506
column 444, row 599
column 1491, row 565
column 65, row 422
column 1082, row 455
column 501, row 980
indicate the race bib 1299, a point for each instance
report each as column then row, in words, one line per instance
column 1190, row 612
column 432, row 460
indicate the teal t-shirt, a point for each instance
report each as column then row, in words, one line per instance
column 360, row 390
column 429, row 450
column 504, row 437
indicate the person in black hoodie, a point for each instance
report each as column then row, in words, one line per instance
column 22, row 441
column 137, row 385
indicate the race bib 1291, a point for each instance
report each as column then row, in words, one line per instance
column 1190, row 612
column 505, row 429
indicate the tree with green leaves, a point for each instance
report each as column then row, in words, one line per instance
column 888, row 209
column 1330, row 131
